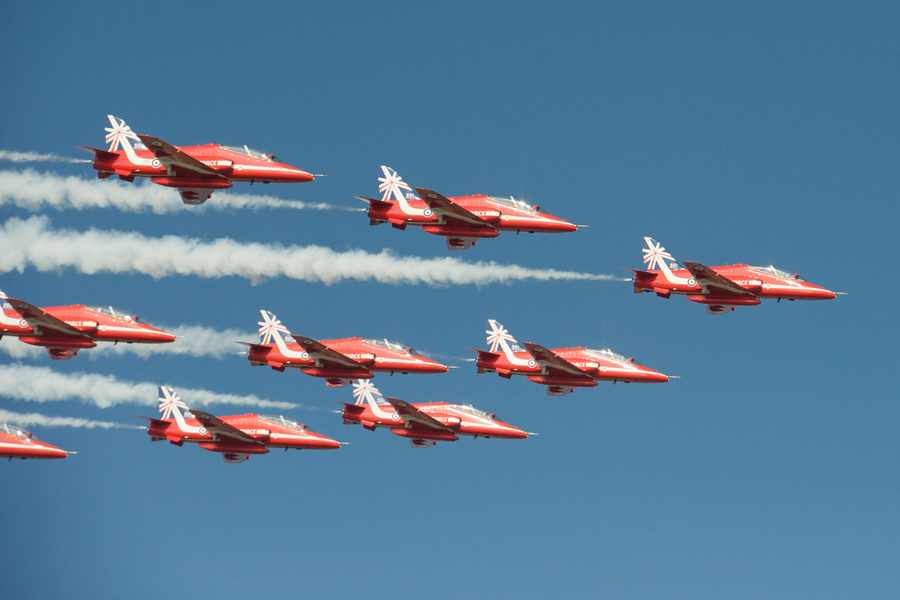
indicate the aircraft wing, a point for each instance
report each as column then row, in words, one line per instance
column 220, row 428
column 713, row 283
column 412, row 415
column 447, row 208
column 320, row 351
column 174, row 158
column 40, row 320
column 552, row 360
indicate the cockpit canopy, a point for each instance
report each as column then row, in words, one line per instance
column 16, row 431
column 514, row 203
column 389, row 345
column 115, row 313
column 606, row 353
column 283, row 422
column 774, row 271
column 248, row 151
column 468, row 408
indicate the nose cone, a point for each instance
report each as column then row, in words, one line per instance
column 820, row 293
column 158, row 335
column 508, row 431
column 46, row 450
column 555, row 223
column 299, row 175
column 326, row 443
column 649, row 375
column 428, row 365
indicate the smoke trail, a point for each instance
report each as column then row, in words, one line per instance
column 31, row 419
column 32, row 242
column 29, row 157
column 40, row 384
column 191, row 340
column 33, row 190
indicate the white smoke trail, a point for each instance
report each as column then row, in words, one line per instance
column 32, row 242
column 29, row 157
column 33, row 190
column 40, row 384
column 31, row 419
column 191, row 340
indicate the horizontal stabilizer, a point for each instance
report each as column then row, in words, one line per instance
column 375, row 203
column 485, row 356
column 255, row 346
column 644, row 275
column 99, row 154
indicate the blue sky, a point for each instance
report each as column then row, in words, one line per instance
column 764, row 133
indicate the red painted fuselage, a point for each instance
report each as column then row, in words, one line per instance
column 371, row 355
column 459, row 420
column 269, row 432
column 88, row 326
column 593, row 366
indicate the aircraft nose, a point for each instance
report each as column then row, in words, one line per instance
column 301, row 175
column 513, row 432
column 433, row 366
column 561, row 225
column 160, row 335
column 652, row 376
column 330, row 444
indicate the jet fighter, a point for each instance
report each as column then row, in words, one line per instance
column 18, row 443
column 64, row 330
column 235, row 436
column 722, row 287
column 196, row 171
column 338, row 360
column 560, row 369
column 463, row 220
column 423, row 423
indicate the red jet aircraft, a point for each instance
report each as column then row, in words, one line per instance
column 424, row 423
column 560, row 369
column 463, row 220
column 338, row 361
column 723, row 287
column 18, row 443
column 64, row 330
column 236, row 436
column 195, row 170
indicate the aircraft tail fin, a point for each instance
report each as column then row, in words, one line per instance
column 391, row 185
column 120, row 135
column 498, row 336
column 171, row 405
column 271, row 330
column 365, row 392
column 657, row 258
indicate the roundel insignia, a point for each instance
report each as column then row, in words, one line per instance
column 155, row 163
column 427, row 212
column 203, row 430
column 531, row 363
column 692, row 281
column 23, row 323
column 395, row 417
column 304, row 355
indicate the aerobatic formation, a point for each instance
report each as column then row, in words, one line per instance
column 196, row 171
